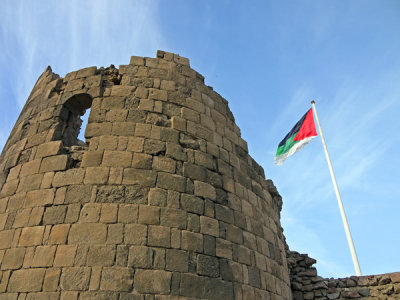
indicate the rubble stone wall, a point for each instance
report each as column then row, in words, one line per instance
column 161, row 201
column 307, row 285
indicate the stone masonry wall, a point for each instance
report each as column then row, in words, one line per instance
column 161, row 201
column 307, row 285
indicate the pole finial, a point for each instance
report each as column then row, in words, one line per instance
column 312, row 102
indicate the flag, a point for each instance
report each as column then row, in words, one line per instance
column 300, row 135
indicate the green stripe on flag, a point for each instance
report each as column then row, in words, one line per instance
column 286, row 147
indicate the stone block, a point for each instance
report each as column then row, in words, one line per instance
column 224, row 248
column 39, row 198
column 224, row 213
column 115, row 116
column 209, row 245
column 128, row 213
column 194, row 171
column 108, row 213
column 175, row 151
column 115, row 176
column 137, row 61
column 189, row 114
column 108, row 142
column 101, row 255
column 173, row 218
column 51, row 280
column 207, row 265
column 54, row 214
column 193, row 223
column 153, row 281
column 92, row 158
column 178, row 123
column 209, row 226
column 204, row 159
column 145, row 178
column 54, row 163
column 123, row 128
column 65, row 256
column 154, row 147
column 75, row 279
column 171, row 182
column 140, row 257
column 135, row 143
column 205, row 190
column 117, row 159
column 149, row 215
column 157, row 197
column 21, row 218
column 96, row 175
column 234, row 234
column 48, row 149
column 13, row 259
column 68, row 177
column 69, row 295
column 192, row 241
column 116, row 279
column 30, row 168
column 135, row 234
column 193, row 286
column 176, row 260
column 159, row 236
column 167, row 85
column 192, row 204
column 90, row 213
column 47, row 180
column 158, row 94
column 31, row 236
column 173, row 199
column 44, row 256
column 58, row 234
column 26, row 280
column 115, row 234
column 6, row 237
column 89, row 233
column 143, row 130
column 243, row 255
column 169, row 135
column 164, row 164
column 73, row 213
column 9, row 188
column 142, row 161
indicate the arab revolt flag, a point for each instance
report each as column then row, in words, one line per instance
column 300, row 135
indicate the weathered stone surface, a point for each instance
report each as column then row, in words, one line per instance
column 13, row 258
column 87, row 234
column 153, row 281
column 75, row 279
column 140, row 257
column 207, row 265
column 116, row 279
column 204, row 190
column 29, row 280
column 101, row 255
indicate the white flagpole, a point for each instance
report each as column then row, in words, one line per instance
column 342, row 212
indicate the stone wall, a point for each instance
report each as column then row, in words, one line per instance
column 307, row 285
column 161, row 201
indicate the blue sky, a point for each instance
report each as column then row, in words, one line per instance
column 269, row 59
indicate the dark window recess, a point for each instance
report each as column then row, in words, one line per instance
column 75, row 107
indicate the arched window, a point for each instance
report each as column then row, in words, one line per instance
column 75, row 107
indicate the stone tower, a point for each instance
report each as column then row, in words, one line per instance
column 162, row 200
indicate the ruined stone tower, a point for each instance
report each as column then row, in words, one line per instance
column 162, row 200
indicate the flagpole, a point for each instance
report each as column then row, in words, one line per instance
column 342, row 212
